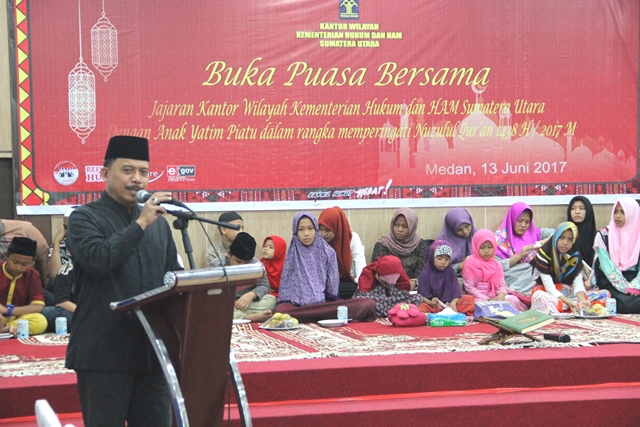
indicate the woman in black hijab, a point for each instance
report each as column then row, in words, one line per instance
column 580, row 212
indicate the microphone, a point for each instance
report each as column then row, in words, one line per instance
column 143, row 195
column 557, row 337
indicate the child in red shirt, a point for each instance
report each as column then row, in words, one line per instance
column 21, row 295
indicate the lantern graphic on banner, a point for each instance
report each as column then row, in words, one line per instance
column 104, row 46
column 82, row 95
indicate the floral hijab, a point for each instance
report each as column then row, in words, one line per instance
column 509, row 243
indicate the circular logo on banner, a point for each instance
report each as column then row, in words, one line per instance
column 65, row 173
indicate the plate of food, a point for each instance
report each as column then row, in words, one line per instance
column 596, row 311
column 592, row 316
column 563, row 315
column 279, row 328
column 331, row 323
column 280, row 322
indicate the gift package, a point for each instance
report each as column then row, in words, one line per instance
column 494, row 310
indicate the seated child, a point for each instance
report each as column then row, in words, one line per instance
column 64, row 299
column 274, row 249
column 557, row 270
column 21, row 295
column 309, row 284
column 253, row 303
column 386, row 282
column 438, row 282
column 482, row 273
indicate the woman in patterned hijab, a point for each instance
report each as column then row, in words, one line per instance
column 309, row 283
column 310, row 272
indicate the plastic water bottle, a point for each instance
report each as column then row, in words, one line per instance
column 23, row 328
column 61, row 326
column 343, row 314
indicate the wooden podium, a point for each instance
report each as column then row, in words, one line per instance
column 189, row 321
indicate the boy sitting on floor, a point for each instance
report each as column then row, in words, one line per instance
column 21, row 295
column 252, row 303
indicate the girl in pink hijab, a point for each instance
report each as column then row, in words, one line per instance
column 482, row 273
column 617, row 251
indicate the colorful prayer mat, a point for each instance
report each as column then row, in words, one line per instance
column 44, row 354
column 313, row 341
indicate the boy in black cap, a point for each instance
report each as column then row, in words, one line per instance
column 252, row 303
column 227, row 235
column 120, row 250
column 21, row 296
column 10, row 228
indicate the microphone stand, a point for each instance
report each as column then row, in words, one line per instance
column 182, row 223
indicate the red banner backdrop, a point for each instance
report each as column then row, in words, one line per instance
column 287, row 101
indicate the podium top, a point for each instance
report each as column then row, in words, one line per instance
column 193, row 280
column 203, row 276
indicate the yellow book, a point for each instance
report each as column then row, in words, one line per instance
column 528, row 321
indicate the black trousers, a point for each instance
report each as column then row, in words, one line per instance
column 625, row 304
column 346, row 289
column 108, row 399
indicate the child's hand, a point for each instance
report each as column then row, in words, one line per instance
column 59, row 236
column 583, row 304
column 527, row 249
column 431, row 302
column 244, row 301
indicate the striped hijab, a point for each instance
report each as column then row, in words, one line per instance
column 563, row 268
